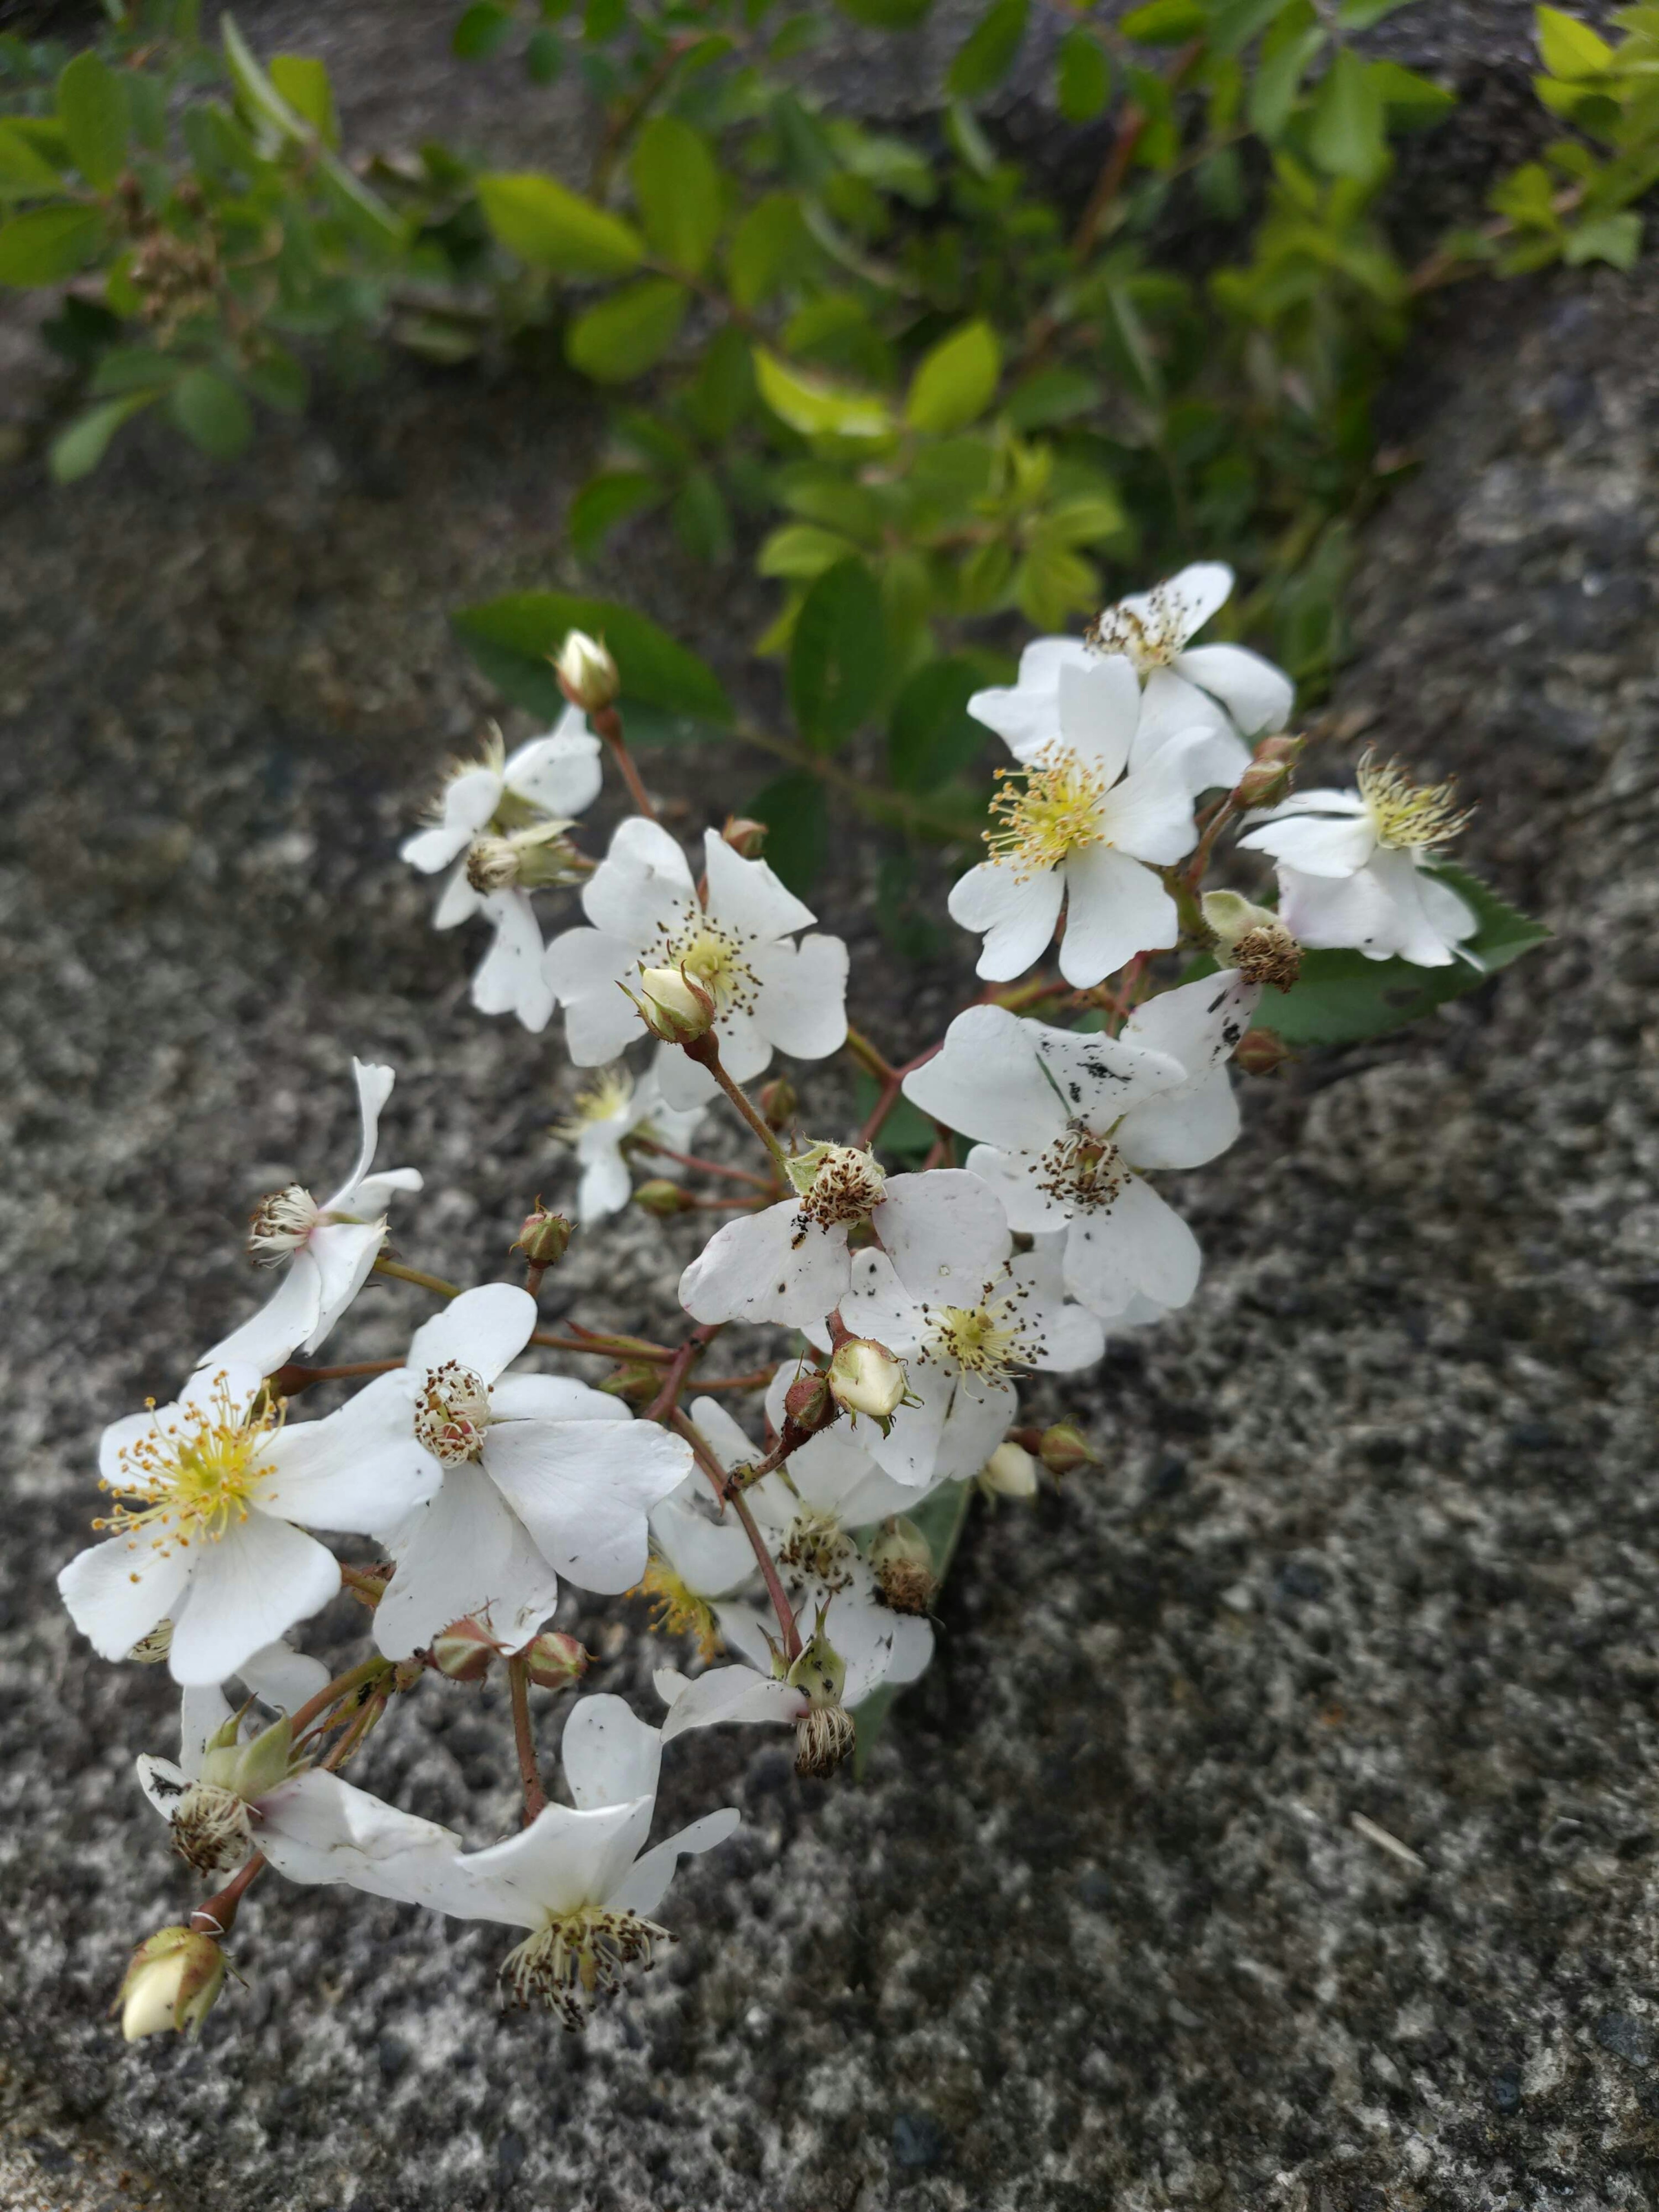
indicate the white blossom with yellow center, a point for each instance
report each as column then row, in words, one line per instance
column 201, row 1532
column 736, row 943
column 613, row 1118
column 1071, row 1124
column 1355, row 868
column 1076, row 824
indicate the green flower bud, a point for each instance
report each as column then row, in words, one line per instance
column 173, row 1979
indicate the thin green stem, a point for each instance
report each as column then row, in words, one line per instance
column 416, row 1275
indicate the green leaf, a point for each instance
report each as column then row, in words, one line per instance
column 797, row 828
column 24, row 170
column 931, row 736
column 628, row 332
column 801, row 550
column 1278, row 80
column 1361, row 15
column 887, row 15
column 837, row 656
column 1570, row 49
column 956, row 381
column 723, row 394
column 1083, row 75
column 211, row 413
column 816, row 407
column 303, row 82
column 548, row 225
column 605, row 502
column 92, row 107
column 1054, row 395
column 701, row 520
column 512, row 639
column 940, row 1517
column 278, row 377
column 1342, row 997
column 1166, row 22
column 1413, row 101
column 987, row 54
column 678, row 186
column 544, row 57
column 907, row 1133
column 1613, row 238
column 480, row 31
column 765, row 248
column 44, row 244
column 1236, row 22
column 1347, row 130
column 78, row 451
column 135, row 368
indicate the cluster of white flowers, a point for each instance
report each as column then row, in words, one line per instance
column 801, row 1546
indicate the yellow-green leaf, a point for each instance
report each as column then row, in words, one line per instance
column 956, row 381
column 24, row 170
column 551, row 228
column 46, row 243
column 628, row 332
column 92, row 107
column 1570, row 49
column 816, row 407
column 303, row 82
column 678, row 187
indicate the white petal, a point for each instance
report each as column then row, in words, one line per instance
column 345, row 1252
column 117, row 1591
column 1071, row 1336
column 509, row 978
column 267, row 1340
column 583, row 1490
column 1258, row 696
column 945, row 1232
column 606, row 1187
column 1013, row 1177
column 1171, row 611
column 561, row 772
column 1183, row 1128
column 1139, row 1244
column 987, row 1081
column 471, row 798
column 462, row 1550
column 1116, row 908
column 685, row 1086
column 1316, row 845
column 484, row 1329
column 1414, row 935
column 258, row 1579
column 429, row 850
column 877, row 1304
column 162, row 1783
column 608, row 1754
column 375, row 1192
column 1447, row 914
column 358, row 1468
column 744, row 1049
column 564, row 1859
column 722, row 1435
column 731, row 1694
column 586, row 971
column 1197, row 1023
column 318, row 1828
column 1171, row 708
column 754, row 1269
column 1335, row 913
column 457, row 902
column 1027, row 714
column 802, row 1008
column 280, row 1677
column 1150, row 814
column 711, row 1557
column 1099, row 707
column 1016, row 915
column 747, row 896
column 645, row 1884
column 551, row 1398
column 643, row 885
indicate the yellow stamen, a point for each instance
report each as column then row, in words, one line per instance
column 1409, row 817
column 608, row 1099
column 1054, row 809
column 193, row 1477
column 676, row 1611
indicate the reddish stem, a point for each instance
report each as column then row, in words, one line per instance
column 289, row 1382
column 530, row 1774
column 608, row 722
column 707, row 1166
column 218, row 1915
column 727, row 1496
column 663, row 1406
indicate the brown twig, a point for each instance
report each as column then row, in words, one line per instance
column 218, row 1915
column 764, row 1559
column 530, row 1774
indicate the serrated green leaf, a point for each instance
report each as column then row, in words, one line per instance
column 1083, row 75
column 987, row 54
column 605, row 502
column 78, row 451
column 1570, row 49
column 932, row 737
column 1342, row 997
column 628, row 332
column 303, row 82
column 512, row 639
column 797, row 829
column 765, row 248
column 211, row 413
column 24, row 170
column 816, row 407
column 677, row 188
column 551, row 228
column 91, row 108
column 838, row 655
column 44, row 245
column 1347, row 130
column 955, row 381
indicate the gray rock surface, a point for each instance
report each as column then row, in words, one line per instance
column 1374, row 1544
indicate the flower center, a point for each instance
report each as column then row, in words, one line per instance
column 608, row 1099
column 1408, row 816
column 711, row 957
column 281, row 1224
column 991, row 1340
column 452, row 1416
column 1081, row 1171
column 211, row 1830
column 816, row 1547
column 1041, row 814
column 677, row 1610
column 192, row 1477
column 1146, row 645
column 837, row 1184
column 579, row 1957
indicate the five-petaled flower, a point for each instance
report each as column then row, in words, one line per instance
column 613, row 1116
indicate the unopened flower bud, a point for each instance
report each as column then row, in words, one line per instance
column 807, row 1404
column 1010, row 1471
column 662, row 1197
column 587, row 674
column 673, row 1007
column 638, row 1384
column 463, row 1652
column 780, row 1102
column 1252, row 938
column 1259, row 1051
column 1064, row 1448
column 864, row 1378
column 903, row 1562
column 554, row 1662
column 543, row 1237
column 1268, row 777
column 172, row 1983
column 745, row 837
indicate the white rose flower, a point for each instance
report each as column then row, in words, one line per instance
column 1351, row 868
column 768, row 993
column 1080, row 824
column 611, row 1116
column 330, row 1249
column 1069, row 1120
